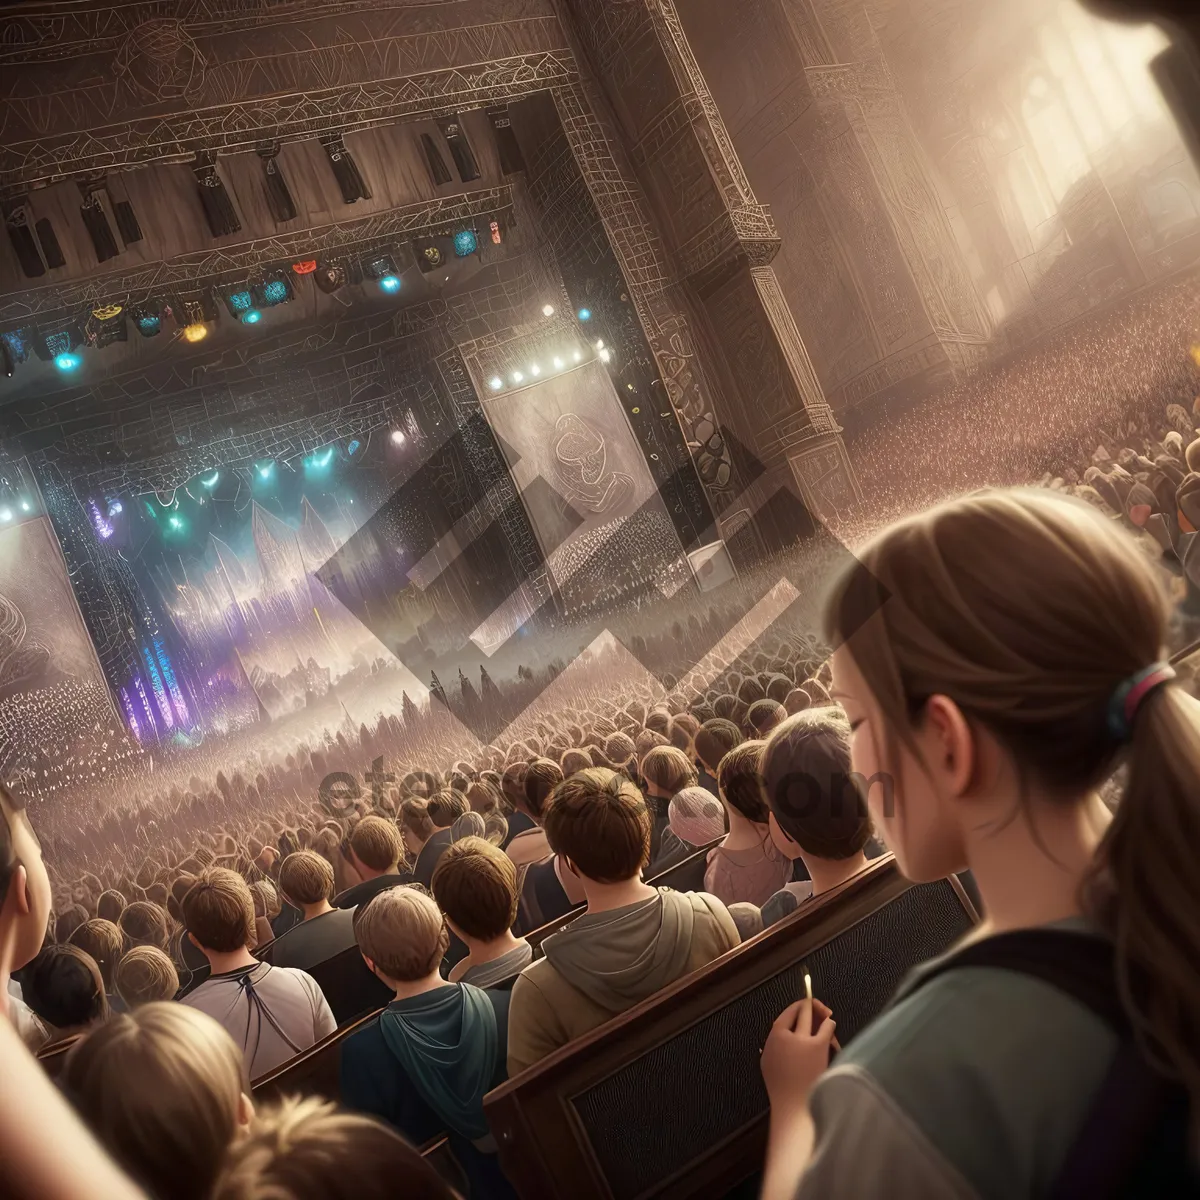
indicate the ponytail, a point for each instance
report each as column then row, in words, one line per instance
column 1144, row 889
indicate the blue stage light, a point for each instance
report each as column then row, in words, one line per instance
column 212, row 480
column 67, row 362
column 265, row 470
column 276, row 291
column 585, row 314
column 390, row 283
column 465, row 243
column 354, row 447
column 251, row 317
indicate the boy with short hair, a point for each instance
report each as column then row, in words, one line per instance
column 818, row 814
column 377, row 852
column 306, row 880
column 271, row 1012
column 633, row 939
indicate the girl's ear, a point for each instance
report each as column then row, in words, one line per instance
column 950, row 744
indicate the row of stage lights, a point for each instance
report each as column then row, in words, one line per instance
column 559, row 362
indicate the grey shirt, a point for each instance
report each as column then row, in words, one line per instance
column 972, row 1088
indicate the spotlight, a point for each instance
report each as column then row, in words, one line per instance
column 26, row 506
column 465, row 243
column 558, row 363
column 265, row 470
column 251, row 316
column 115, row 508
column 390, row 284
column 67, row 362
column 606, row 356
column 398, row 437
column 585, row 314
column 175, row 522
column 320, row 460
column 600, row 344
column 547, row 310
column 195, row 332
column 6, row 514
column 212, row 481
column 276, row 291
column 239, row 303
column 496, row 383
column 577, row 356
column 354, row 447
column 517, row 377
column 535, row 369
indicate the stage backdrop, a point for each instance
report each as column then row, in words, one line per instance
column 571, row 430
column 55, row 710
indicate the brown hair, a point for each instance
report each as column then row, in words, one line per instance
column 402, row 932
column 806, row 778
column 445, row 807
column 219, row 911
column 669, row 768
column 306, row 1150
column 414, row 816
column 161, row 1088
column 376, row 843
column 63, row 986
column 763, row 715
column 739, row 780
column 145, row 974
column 714, row 739
column 110, row 905
column 104, row 942
column 306, row 877
column 1034, row 652
column 475, row 883
column 541, row 779
column 599, row 821
column 144, row 923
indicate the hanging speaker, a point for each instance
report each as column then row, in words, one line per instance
column 24, row 243
column 345, row 171
column 460, row 148
column 438, row 171
column 512, row 161
column 219, row 212
column 95, row 220
column 51, row 250
column 279, row 195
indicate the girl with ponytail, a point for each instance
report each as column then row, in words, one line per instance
column 999, row 657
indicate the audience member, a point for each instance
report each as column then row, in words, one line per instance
column 762, row 716
column 110, row 905
column 512, row 790
column 64, row 988
column 426, row 1062
column 306, row 879
column 145, row 975
column 631, row 941
column 307, row 1150
column 714, row 739
column 164, row 1091
column 994, row 702
column 104, row 942
column 271, row 1012
column 746, row 867
column 424, row 841
column 696, row 817
column 530, row 846
column 267, row 906
column 666, row 770
column 475, row 886
column 377, row 853
column 145, row 924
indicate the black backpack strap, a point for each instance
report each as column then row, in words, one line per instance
column 1121, row 1130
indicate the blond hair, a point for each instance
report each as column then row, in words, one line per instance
column 403, row 933
column 144, row 975
column 669, row 768
column 306, row 877
column 218, row 911
column 161, row 1088
column 306, row 1150
column 1029, row 610
column 376, row 843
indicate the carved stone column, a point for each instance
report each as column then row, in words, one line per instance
column 714, row 296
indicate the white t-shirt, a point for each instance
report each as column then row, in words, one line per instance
column 272, row 1013
column 26, row 1022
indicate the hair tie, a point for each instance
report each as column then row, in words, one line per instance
column 1128, row 697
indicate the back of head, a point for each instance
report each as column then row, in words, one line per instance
column 145, row 923
column 696, row 816
column 219, row 911
column 512, row 783
column 307, row 1150
column 470, row 824
column 110, row 905
column 306, row 877
column 145, row 975
column 475, row 884
column 667, row 767
column 541, row 777
column 64, row 987
column 714, row 739
column 739, row 778
column 763, row 716
column 414, row 816
column 445, row 807
column 1032, row 614
column 68, row 920
column 598, row 820
column 483, row 796
column 808, row 785
column 376, row 843
column 574, row 760
column 162, row 1090
column 402, row 932
column 104, row 942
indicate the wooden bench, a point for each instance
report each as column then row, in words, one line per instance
column 667, row 1100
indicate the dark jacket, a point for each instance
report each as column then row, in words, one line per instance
column 316, row 941
column 431, row 852
column 360, row 893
